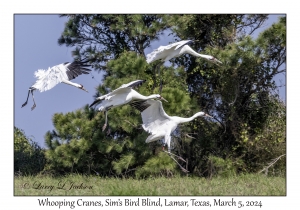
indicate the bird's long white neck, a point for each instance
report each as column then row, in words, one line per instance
column 142, row 97
column 184, row 120
column 71, row 83
column 188, row 49
column 154, row 96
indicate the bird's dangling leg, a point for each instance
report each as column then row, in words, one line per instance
column 34, row 105
column 104, row 126
column 180, row 158
column 107, row 125
column 27, row 98
column 160, row 82
column 167, row 141
column 108, row 130
column 154, row 80
column 183, row 169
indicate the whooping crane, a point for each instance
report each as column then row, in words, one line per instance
column 159, row 124
column 176, row 49
column 47, row 79
column 122, row 95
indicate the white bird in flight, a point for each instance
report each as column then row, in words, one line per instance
column 121, row 96
column 62, row 73
column 176, row 49
column 159, row 124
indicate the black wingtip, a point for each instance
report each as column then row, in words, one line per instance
column 84, row 60
column 140, row 105
column 190, row 42
column 137, row 84
column 93, row 103
column 96, row 101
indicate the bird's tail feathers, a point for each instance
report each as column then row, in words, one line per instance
column 148, row 60
column 101, row 108
column 150, row 57
column 40, row 73
column 144, row 127
column 152, row 138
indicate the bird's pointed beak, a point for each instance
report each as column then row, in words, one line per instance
column 84, row 89
column 206, row 115
column 217, row 61
column 164, row 99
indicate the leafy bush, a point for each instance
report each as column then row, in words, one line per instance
column 29, row 158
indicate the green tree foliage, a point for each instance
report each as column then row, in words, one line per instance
column 240, row 93
column 104, row 37
column 78, row 144
column 213, row 30
column 29, row 158
column 72, row 146
column 248, row 129
column 160, row 165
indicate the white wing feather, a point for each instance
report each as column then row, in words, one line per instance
column 182, row 43
column 159, row 52
column 118, row 96
column 47, row 79
column 154, row 116
column 120, row 89
column 115, row 98
column 131, row 83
